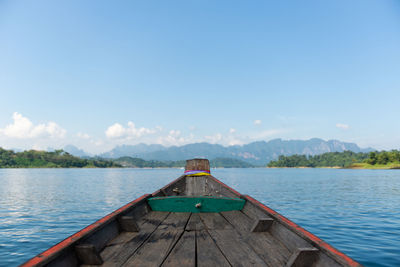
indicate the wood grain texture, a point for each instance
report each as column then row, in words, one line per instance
column 161, row 242
column 197, row 165
column 195, row 223
column 288, row 237
column 120, row 253
column 271, row 250
column 184, row 252
column 208, row 254
column 237, row 252
column 195, row 186
column 214, row 221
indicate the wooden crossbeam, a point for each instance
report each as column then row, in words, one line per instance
column 303, row 257
column 128, row 224
column 88, row 254
column 262, row 225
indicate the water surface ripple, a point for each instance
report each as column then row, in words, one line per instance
column 356, row 211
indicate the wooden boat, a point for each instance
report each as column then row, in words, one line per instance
column 195, row 220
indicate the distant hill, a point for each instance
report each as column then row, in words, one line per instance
column 77, row 152
column 132, row 150
column 257, row 153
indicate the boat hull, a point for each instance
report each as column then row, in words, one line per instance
column 136, row 235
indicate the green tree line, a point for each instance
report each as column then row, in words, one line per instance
column 383, row 157
column 337, row 159
column 44, row 159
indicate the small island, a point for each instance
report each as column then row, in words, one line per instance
column 346, row 159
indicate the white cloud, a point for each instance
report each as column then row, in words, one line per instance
column 342, row 126
column 257, row 122
column 174, row 138
column 23, row 128
column 213, row 139
column 83, row 135
column 117, row 131
column 232, row 130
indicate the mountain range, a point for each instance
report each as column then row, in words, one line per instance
column 257, row 153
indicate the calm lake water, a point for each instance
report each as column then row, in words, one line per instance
column 356, row 211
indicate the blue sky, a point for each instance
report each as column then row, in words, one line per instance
column 97, row 74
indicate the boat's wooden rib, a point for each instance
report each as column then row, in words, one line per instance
column 135, row 235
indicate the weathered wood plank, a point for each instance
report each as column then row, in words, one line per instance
column 184, row 252
column 116, row 244
column 236, row 251
column 208, row 254
column 197, row 165
column 288, row 237
column 177, row 188
column 118, row 253
column 175, row 221
column 195, row 186
column 195, row 223
column 213, row 188
column 215, row 221
column 271, row 250
column 161, row 242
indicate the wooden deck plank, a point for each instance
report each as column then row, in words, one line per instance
column 117, row 254
column 271, row 250
column 184, row 252
column 208, row 254
column 237, row 252
column 195, row 223
column 214, row 221
column 161, row 242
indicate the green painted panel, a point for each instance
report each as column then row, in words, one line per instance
column 195, row 204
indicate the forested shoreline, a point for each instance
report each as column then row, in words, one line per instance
column 62, row 159
column 346, row 159
column 54, row 159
